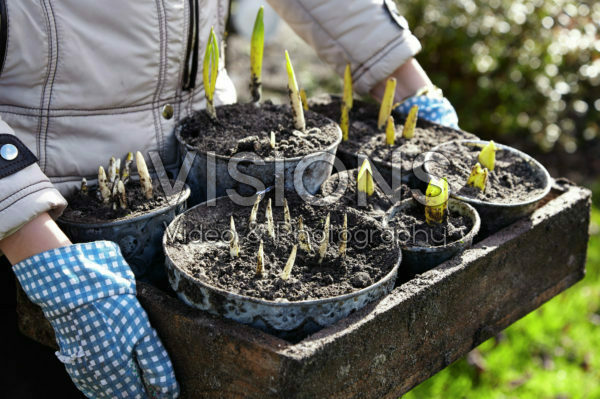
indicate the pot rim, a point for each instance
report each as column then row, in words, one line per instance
column 396, row 114
column 329, row 148
column 182, row 197
column 273, row 303
column 532, row 161
column 472, row 213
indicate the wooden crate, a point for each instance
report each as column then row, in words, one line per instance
column 390, row 346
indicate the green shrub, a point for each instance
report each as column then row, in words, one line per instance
column 513, row 69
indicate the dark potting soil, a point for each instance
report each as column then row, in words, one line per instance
column 247, row 128
column 87, row 208
column 412, row 230
column 406, row 151
column 513, row 179
column 331, row 108
column 364, row 136
column 374, row 205
column 210, row 261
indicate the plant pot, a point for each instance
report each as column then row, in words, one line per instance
column 494, row 214
column 368, row 140
column 417, row 259
column 139, row 237
column 208, row 167
column 290, row 319
column 342, row 188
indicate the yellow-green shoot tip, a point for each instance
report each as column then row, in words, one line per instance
column 364, row 180
column 257, row 44
column 390, row 131
column 478, row 177
column 487, row 156
column 436, row 201
column 210, row 70
column 411, row 122
column 295, row 101
column 387, row 103
column 347, row 97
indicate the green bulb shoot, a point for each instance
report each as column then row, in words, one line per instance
column 210, row 71
column 257, row 45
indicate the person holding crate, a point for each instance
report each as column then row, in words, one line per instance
column 75, row 75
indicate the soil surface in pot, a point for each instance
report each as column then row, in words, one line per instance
column 367, row 259
column 331, row 108
column 374, row 205
column 365, row 137
column 247, row 128
column 87, row 208
column 513, row 179
column 412, row 230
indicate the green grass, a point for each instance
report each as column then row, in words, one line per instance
column 554, row 352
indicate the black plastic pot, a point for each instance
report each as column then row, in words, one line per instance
column 418, row 259
column 287, row 319
column 495, row 215
column 209, row 167
column 139, row 237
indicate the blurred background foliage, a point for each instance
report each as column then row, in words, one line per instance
column 524, row 71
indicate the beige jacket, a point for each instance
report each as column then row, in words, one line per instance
column 82, row 80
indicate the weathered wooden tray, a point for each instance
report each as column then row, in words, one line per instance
column 389, row 347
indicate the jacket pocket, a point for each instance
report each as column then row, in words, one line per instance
column 191, row 57
column 3, row 33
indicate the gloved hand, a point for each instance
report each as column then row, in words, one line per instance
column 87, row 292
column 433, row 106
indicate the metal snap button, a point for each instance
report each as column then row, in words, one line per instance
column 167, row 111
column 9, row 152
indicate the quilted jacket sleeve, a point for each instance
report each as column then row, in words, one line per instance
column 25, row 191
column 368, row 34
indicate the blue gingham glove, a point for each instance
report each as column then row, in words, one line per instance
column 87, row 292
column 437, row 110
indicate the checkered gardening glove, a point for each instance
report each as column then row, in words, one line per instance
column 433, row 106
column 87, row 292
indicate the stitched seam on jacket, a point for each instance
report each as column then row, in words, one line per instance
column 366, row 64
column 16, row 193
column 163, row 83
column 184, row 33
column 192, row 92
column 179, row 94
column 161, row 32
column 381, row 53
column 143, row 106
column 219, row 22
column 48, row 63
column 7, row 42
column 348, row 56
column 82, row 115
column 380, row 56
column 23, row 197
column 51, row 84
column 15, row 167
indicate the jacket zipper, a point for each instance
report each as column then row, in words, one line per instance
column 191, row 58
column 3, row 33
